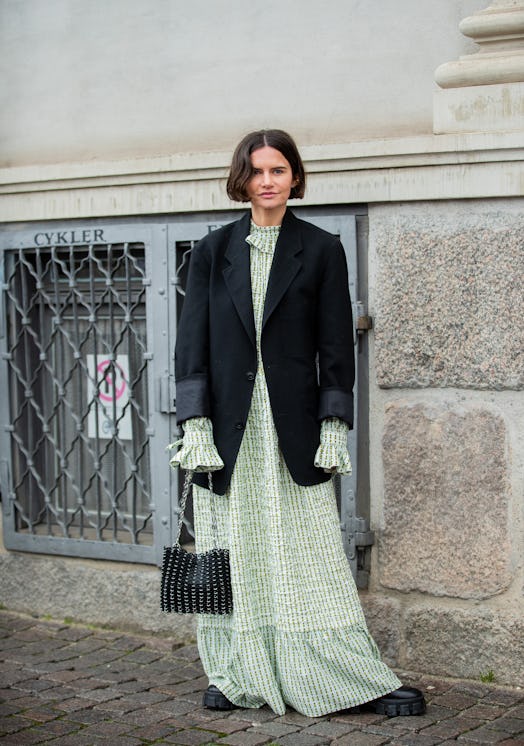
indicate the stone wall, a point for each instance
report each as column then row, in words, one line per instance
column 447, row 416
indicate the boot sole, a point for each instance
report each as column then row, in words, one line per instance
column 398, row 709
column 391, row 710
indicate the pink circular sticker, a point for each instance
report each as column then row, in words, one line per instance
column 118, row 385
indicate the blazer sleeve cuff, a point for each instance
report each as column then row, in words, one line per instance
column 192, row 398
column 336, row 403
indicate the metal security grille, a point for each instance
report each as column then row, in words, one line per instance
column 88, row 319
column 77, row 367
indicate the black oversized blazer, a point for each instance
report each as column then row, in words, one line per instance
column 307, row 342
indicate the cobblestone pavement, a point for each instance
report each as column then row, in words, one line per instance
column 71, row 685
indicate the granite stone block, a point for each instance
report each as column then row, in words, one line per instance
column 383, row 617
column 465, row 643
column 446, row 496
column 448, row 300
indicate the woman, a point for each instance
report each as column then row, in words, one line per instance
column 265, row 372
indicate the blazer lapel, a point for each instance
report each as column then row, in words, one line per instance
column 237, row 275
column 285, row 264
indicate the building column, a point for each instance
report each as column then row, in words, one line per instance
column 484, row 91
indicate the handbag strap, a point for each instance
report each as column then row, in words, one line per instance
column 182, row 506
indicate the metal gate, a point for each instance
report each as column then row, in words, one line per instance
column 87, row 333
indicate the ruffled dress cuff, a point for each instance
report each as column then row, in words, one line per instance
column 197, row 450
column 332, row 454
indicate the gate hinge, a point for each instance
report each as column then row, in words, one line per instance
column 364, row 537
column 363, row 322
column 167, row 394
column 364, row 540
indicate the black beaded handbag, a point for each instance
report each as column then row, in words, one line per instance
column 196, row 583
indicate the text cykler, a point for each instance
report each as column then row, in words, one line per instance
column 78, row 235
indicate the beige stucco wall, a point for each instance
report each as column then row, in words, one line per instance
column 111, row 78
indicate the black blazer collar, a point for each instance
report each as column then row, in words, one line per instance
column 284, row 268
column 237, row 275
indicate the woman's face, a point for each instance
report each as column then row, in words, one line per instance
column 271, row 182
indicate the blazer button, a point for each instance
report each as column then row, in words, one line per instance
column 239, row 426
column 250, row 375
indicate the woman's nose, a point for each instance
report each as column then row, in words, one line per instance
column 266, row 178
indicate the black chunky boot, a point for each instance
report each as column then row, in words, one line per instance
column 215, row 700
column 403, row 701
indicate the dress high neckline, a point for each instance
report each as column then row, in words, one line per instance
column 263, row 237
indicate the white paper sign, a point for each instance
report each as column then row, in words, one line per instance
column 108, row 394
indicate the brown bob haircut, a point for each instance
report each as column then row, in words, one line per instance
column 241, row 169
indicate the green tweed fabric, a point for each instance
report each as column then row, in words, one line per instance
column 197, row 449
column 332, row 453
column 297, row 635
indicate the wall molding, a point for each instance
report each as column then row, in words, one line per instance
column 428, row 167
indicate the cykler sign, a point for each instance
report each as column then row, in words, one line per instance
column 69, row 237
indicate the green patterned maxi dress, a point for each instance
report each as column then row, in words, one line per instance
column 297, row 634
